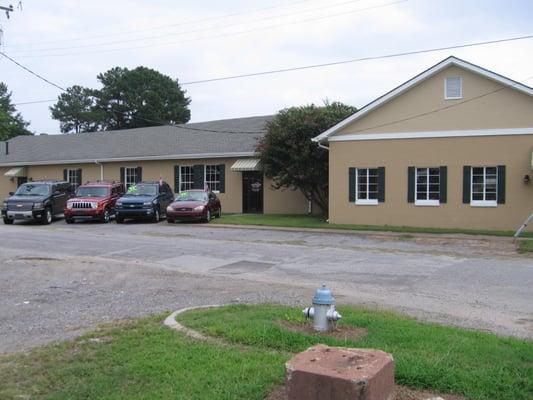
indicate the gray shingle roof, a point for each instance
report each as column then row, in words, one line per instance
column 185, row 140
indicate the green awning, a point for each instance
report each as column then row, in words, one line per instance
column 14, row 172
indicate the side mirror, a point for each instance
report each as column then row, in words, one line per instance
column 57, row 193
column 11, row 193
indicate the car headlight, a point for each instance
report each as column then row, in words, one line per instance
column 37, row 205
column 94, row 204
column 199, row 208
column 4, row 204
column 118, row 204
column 69, row 205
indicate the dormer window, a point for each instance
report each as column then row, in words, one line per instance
column 453, row 88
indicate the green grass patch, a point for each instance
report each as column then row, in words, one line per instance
column 309, row 221
column 140, row 360
column 525, row 246
column 428, row 356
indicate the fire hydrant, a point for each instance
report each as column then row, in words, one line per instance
column 323, row 309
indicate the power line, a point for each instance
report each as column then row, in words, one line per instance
column 31, row 72
column 341, row 14
column 34, row 102
column 223, row 16
column 106, row 43
column 354, row 60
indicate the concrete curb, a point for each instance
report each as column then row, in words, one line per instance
column 367, row 233
column 171, row 322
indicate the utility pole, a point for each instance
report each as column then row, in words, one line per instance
column 7, row 9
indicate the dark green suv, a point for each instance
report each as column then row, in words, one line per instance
column 39, row 200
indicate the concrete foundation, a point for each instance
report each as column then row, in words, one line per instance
column 336, row 373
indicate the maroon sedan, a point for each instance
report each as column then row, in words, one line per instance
column 194, row 204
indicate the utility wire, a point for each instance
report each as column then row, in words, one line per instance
column 190, row 22
column 92, row 45
column 31, row 72
column 354, row 60
column 341, row 14
column 34, row 102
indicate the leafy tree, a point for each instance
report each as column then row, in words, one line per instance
column 11, row 122
column 291, row 159
column 141, row 97
column 76, row 110
column 128, row 99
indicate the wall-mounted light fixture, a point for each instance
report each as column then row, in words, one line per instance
column 526, row 179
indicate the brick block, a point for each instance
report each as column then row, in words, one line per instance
column 337, row 373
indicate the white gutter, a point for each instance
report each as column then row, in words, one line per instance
column 141, row 158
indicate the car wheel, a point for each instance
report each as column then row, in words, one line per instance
column 156, row 217
column 219, row 213
column 119, row 219
column 170, row 220
column 69, row 220
column 106, row 217
column 8, row 221
column 208, row 215
column 47, row 217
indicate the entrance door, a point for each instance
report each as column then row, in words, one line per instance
column 252, row 192
column 21, row 180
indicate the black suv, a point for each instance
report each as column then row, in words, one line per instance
column 39, row 200
column 146, row 200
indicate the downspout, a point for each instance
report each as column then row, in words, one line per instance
column 101, row 169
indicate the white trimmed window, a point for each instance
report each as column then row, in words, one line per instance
column 484, row 187
column 130, row 176
column 186, row 177
column 366, row 186
column 74, row 177
column 427, row 190
column 212, row 177
column 453, row 88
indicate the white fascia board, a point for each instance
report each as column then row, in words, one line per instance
column 125, row 159
column 432, row 134
column 416, row 80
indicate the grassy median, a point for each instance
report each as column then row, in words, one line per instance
column 142, row 359
column 310, row 221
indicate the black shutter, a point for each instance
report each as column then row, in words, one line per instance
column 78, row 172
column 176, row 178
column 122, row 175
column 222, row 171
column 467, row 176
column 411, row 184
column 351, row 185
column 501, row 184
column 198, row 176
column 443, row 184
column 139, row 174
column 381, row 184
column 65, row 175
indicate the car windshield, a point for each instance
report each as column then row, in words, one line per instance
column 192, row 196
column 142, row 190
column 29, row 189
column 92, row 191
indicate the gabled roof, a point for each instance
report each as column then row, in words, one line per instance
column 450, row 61
column 222, row 138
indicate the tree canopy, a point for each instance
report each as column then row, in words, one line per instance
column 11, row 122
column 128, row 99
column 291, row 159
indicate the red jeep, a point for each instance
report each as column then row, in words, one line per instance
column 94, row 201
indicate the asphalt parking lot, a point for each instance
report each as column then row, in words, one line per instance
column 60, row 280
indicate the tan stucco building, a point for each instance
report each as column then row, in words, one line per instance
column 217, row 153
column 450, row 148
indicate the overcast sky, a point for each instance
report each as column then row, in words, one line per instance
column 70, row 42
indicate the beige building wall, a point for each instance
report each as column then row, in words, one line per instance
column 397, row 155
column 275, row 201
column 505, row 108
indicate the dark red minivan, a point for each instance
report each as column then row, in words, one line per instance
column 195, row 204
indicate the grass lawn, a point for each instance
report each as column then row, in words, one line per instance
column 525, row 246
column 142, row 359
column 308, row 221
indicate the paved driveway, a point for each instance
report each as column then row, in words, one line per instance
column 60, row 280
